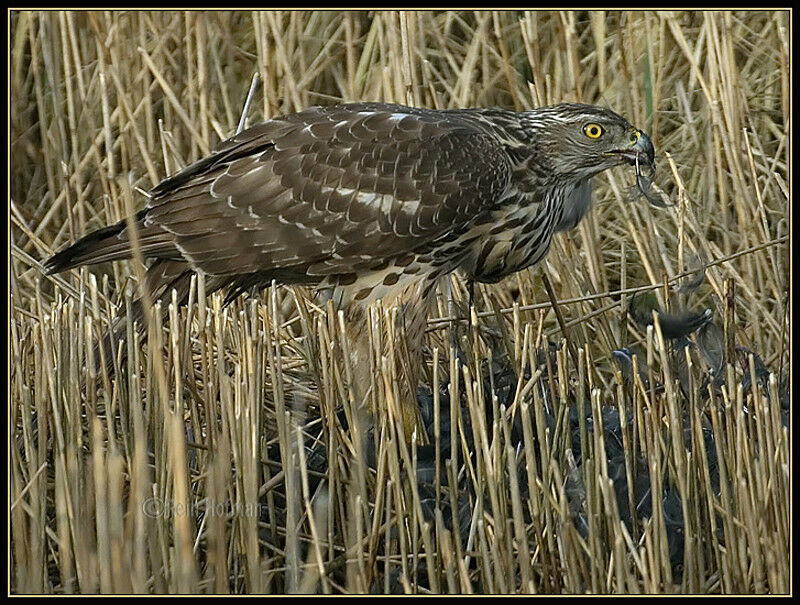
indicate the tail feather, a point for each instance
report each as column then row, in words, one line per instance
column 112, row 243
column 82, row 251
column 169, row 271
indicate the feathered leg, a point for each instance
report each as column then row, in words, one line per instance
column 407, row 337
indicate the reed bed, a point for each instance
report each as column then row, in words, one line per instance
column 572, row 442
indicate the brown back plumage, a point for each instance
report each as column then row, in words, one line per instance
column 370, row 197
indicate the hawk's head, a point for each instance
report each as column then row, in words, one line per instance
column 578, row 141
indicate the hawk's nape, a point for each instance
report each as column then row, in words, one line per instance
column 372, row 200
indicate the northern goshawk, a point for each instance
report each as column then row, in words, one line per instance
column 372, row 201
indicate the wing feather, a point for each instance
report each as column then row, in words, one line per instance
column 330, row 189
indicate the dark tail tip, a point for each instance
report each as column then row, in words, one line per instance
column 59, row 262
column 83, row 251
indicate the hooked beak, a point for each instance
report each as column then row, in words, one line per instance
column 641, row 150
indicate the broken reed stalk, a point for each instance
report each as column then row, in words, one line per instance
column 226, row 454
column 502, row 518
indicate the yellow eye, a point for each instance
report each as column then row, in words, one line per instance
column 593, row 131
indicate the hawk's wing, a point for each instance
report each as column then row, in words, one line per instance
column 330, row 190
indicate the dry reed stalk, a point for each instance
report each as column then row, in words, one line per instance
column 228, row 452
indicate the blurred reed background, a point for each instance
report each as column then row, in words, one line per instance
column 222, row 456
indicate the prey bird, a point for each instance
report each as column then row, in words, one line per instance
column 372, row 201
